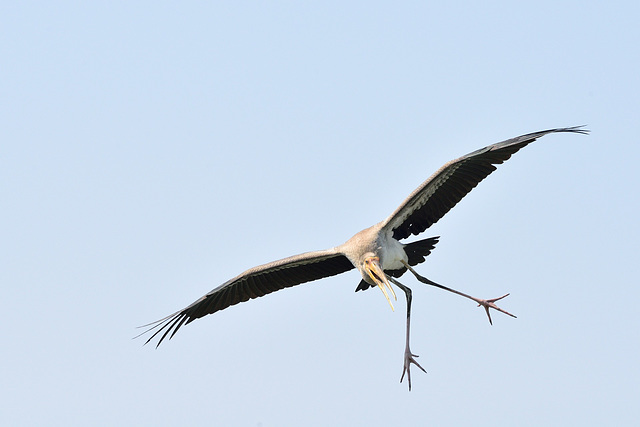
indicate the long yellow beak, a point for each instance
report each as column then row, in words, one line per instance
column 373, row 269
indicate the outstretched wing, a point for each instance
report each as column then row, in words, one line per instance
column 254, row 283
column 444, row 189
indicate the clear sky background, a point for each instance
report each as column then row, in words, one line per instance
column 152, row 150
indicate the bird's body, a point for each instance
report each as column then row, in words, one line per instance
column 376, row 251
column 377, row 242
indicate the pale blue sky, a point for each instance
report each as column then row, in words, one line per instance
column 153, row 150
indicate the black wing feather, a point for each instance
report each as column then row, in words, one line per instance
column 444, row 189
column 254, row 283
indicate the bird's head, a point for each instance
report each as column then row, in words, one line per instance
column 372, row 268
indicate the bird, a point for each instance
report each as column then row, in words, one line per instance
column 376, row 252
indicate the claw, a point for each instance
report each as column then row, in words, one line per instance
column 489, row 303
column 409, row 358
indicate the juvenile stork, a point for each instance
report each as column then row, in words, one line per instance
column 376, row 251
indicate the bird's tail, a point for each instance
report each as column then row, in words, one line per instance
column 417, row 251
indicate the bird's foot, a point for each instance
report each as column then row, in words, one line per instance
column 490, row 303
column 409, row 358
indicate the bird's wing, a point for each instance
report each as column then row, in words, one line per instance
column 445, row 188
column 254, row 283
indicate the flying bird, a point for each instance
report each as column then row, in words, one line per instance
column 377, row 252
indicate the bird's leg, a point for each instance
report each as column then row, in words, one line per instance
column 409, row 357
column 486, row 303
